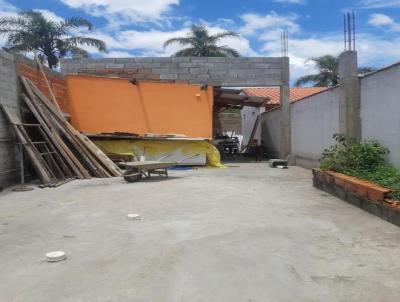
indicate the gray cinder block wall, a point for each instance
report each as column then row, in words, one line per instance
column 9, row 159
column 258, row 71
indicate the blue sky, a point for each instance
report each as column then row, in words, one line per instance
column 139, row 27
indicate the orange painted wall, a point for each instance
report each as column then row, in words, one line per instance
column 104, row 105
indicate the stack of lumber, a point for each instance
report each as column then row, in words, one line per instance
column 57, row 151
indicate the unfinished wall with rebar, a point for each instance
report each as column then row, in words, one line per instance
column 9, row 160
column 258, row 71
column 316, row 119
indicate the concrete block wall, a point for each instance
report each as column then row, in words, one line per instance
column 315, row 119
column 258, row 71
column 270, row 125
column 314, row 122
column 9, row 159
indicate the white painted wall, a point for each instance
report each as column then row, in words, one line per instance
column 314, row 122
column 380, row 109
column 271, row 132
column 249, row 117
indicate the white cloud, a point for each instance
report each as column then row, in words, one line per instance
column 381, row 20
column 263, row 23
column 6, row 10
column 125, row 11
column 151, row 42
column 379, row 3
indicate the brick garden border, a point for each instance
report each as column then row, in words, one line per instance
column 363, row 194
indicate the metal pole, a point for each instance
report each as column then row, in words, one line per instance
column 354, row 32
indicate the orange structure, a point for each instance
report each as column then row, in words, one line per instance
column 108, row 105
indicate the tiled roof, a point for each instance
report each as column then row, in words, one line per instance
column 296, row 93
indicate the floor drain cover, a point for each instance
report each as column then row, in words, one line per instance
column 56, row 256
column 133, row 217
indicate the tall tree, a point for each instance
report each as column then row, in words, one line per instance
column 202, row 44
column 328, row 72
column 31, row 31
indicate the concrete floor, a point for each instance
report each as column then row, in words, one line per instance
column 247, row 233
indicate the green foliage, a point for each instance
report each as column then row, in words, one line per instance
column 202, row 44
column 366, row 159
column 328, row 72
column 32, row 31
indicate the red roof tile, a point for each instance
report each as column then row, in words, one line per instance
column 296, row 93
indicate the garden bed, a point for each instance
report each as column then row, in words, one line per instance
column 366, row 195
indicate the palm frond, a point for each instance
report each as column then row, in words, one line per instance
column 187, row 52
column 222, row 35
column 81, row 40
column 182, row 41
column 312, row 78
column 76, row 22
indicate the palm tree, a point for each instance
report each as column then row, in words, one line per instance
column 31, row 31
column 202, row 44
column 328, row 75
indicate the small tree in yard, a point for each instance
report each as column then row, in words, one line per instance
column 31, row 31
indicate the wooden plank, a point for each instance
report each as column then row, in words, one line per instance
column 30, row 88
column 23, row 138
column 53, row 97
column 53, row 136
column 101, row 160
column 52, row 133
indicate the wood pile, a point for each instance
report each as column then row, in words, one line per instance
column 57, row 151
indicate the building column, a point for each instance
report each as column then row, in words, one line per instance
column 285, row 149
column 349, row 104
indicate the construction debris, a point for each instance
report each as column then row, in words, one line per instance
column 57, row 151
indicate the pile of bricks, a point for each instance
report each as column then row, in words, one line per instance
column 359, row 187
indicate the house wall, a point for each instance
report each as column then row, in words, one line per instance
column 257, row 71
column 104, row 105
column 316, row 118
column 227, row 122
column 314, row 122
column 9, row 159
column 380, row 109
column 270, row 125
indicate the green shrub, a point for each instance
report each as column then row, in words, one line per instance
column 364, row 159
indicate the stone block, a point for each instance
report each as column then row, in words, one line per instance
column 180, row 59
column 143, row 60
column 160, row 70
column 217, row 59
column 199, row 70
column 168, row 76
column 162, row 60
column 179, row 70
column 114, row 65
column 94, row 66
